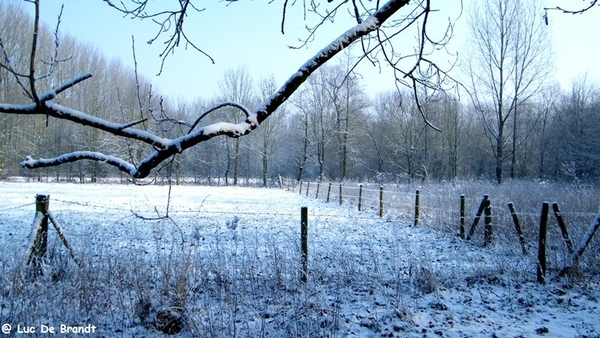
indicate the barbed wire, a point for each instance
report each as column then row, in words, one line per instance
column 397, row 205
column 17, row 206
column 401, row 201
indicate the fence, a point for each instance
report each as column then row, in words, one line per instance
column 421, row 209
column 449, row 213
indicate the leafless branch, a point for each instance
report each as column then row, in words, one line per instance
column 169, row 22
column 9, row 67
column 217, row 107
column 34, row 43
column 570, row 11
column 327, row 16
column 54, row 60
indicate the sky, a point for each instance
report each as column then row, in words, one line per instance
column 248, row 33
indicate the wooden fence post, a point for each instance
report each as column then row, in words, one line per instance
column 488, row 230
column 307, row 188
column 462, row 216
column 417, row 204
column 300, row 193
column 563, row 228
column 318, row 186
column 328, row 192
column 515, row 218
column 477, row 217
column 541, row 268
column 340, row 193
column 304, row 243
column 360, row 187
column 40, row 243
column 381, row 201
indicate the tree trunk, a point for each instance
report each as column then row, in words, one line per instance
column 514, row 143
column 499, row 153
column 236, row 161
column 265, row 165
column 304, row 150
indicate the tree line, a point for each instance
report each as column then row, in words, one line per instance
column 330, row 129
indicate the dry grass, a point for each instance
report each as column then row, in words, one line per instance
column 207, row 279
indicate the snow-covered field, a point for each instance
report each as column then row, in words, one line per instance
column 227, row 263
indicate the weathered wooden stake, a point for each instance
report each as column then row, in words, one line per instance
column 360, row 187
column 300, row 192
column 381, row 201
column 587, row 238
column 318, row 186
column 62, row 237
column 40, row 243
column 488, row 230
column 477, row 217
column 462, row 216
column 42, row 203
column 340, row 194
column 328, row 192
column 515, row 218
column 304, row 243
column 417, row 204
column 541, row 268
column 307, row 188
column 563, row 228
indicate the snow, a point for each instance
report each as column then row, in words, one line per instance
column 78, row 155
column 86, row 119
column 234, row 253
column 17, row 108
column 225, row 127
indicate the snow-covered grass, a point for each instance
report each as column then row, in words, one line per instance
column 227, row 263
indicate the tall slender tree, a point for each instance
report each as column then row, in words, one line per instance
column 508, row 62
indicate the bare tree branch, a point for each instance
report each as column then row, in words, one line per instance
column 36, row 26
column 77, row 156
column 570, row 11
column 165, row 20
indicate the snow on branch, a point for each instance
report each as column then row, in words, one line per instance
column 122, row 165
column 369, row 25
column 51, row 94
column 217, row 107
column 49, row 108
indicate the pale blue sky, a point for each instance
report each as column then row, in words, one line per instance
column 248, row 33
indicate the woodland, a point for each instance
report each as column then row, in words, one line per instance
column 329, row 129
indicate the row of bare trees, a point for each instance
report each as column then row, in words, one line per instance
column 329, row 129
column 114, row 93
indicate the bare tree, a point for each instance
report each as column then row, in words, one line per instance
column 270, row 133
column 236, row 86
column 576, row 120
column 508, row 62
column 349, row 104
column 375, row 29
column 399, row 142
column 299, row 131
column 316, row 107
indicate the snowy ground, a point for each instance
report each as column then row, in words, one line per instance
column 227, row 263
